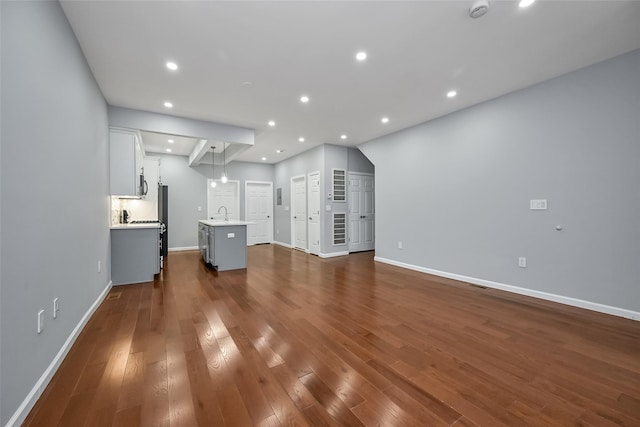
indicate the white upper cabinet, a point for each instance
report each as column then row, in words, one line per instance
column 125, row 163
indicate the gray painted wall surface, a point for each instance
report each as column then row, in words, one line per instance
column 358, row 162
column 302, row 164
column 456, row 190
column 188, row 190
column 55, row 192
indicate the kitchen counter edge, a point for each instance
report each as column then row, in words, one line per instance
column 134, row 226
column 216, row 223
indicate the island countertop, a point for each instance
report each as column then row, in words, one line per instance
column 223, row 223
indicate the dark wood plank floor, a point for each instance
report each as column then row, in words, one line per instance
column 299, row 340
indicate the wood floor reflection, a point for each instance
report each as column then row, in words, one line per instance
column 299, row 340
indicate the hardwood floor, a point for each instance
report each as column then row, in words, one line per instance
column 299, row 340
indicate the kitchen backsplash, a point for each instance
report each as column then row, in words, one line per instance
column 139, row 209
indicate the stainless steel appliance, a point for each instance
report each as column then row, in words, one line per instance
column 163, row 232
column 163, row 217
column 143, row 188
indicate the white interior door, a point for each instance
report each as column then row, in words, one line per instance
column 259, row 210
column 361, row 224
column 227, row 195
column 314, row 213
column 299, row 206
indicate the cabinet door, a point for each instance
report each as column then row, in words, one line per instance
column 122, row 165
column 212, row 246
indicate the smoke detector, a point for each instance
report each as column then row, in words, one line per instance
column 479, row 8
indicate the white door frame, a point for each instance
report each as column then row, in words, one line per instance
column 319, row 213
column 270, row 207
column 292, row 210
column 237, row 204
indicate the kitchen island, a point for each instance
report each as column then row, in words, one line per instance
column 223, row 244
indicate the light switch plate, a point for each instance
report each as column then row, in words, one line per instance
column 538, row 205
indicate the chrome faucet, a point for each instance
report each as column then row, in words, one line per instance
column 226, row 214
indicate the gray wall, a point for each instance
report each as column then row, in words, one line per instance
column 302, row 164
column 358, row 162
column 456, row 190
column 188, row 190
column 55, row 192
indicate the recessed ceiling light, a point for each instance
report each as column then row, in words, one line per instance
column 343, row 136
column 301, row 139
column 168, row 150
column 304, row 98
column 247, row 84
column 172, row 66
column 171, row 141
column 361, row 56
column 385, row 120
column 279, row 151
column 451, row 94
column 264, row 158
column 168, row 104
column 525, row 3
column 272, row 123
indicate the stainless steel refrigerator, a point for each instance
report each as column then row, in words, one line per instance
column 163, row 217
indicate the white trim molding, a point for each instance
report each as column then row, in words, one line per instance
column 575, row 302
column 286, row 245
column 184, row 248
column 333, row 254
column 30, row 400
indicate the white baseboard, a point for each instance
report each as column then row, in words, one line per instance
column 333, row 254
column 184, row 248
column 37, row 390
column 286, row 245
column 575, row 302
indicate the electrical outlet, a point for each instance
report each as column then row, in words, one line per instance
column 522, row 262
column 400, row 244
column 56, row 308
column 199, row 208
column 99, row 266
column 40, row 321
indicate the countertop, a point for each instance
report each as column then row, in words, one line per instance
column 134, row 226
column 219, row 223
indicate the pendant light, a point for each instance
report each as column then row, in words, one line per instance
column 224, row 172
column 213, row 167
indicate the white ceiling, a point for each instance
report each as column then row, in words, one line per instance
column 417, row 52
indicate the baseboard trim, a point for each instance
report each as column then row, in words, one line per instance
column 286, row 245
column 333, row 254
column 575, row 302
column 183, row 248
column 29, row 402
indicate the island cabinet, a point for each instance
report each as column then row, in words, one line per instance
column 224, row 244
column 125, row 165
